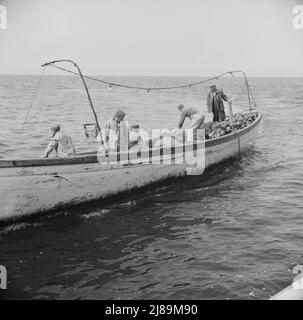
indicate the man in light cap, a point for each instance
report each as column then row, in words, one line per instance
column 61, row 143
column 112, row 130
column 215, row 103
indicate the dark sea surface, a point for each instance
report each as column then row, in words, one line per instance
column 233, row 233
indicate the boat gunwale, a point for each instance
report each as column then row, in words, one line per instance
column 93, row 158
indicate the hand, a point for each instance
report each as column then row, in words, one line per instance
column 106, row 147
column 175, row 132
column 98, row 138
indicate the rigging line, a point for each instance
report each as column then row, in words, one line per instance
column 237, row 82
column 243, row 89
column 32, row 102
column 248, row 89
column 253, row 98
column 144, row 88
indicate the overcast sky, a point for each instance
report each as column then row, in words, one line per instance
column 153, row 37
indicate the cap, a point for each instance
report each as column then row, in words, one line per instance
column 120, row 113
column 56, row 128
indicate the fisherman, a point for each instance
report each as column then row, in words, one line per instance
column 215, row 103
column 61, row 143
column 196, row 118
column 116, row 132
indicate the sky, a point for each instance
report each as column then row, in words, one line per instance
column 153, row 37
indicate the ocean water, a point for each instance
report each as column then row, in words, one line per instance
column 233, row 233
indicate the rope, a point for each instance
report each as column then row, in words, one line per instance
column 32, row 102
column 148, row 89
column 111, row 84
column 252, row 97
column 239, row 145
column 243, row 90
column 237, row 82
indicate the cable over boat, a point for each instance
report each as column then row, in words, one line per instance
column 39, row 186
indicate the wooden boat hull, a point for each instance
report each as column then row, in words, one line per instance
column 29, row 187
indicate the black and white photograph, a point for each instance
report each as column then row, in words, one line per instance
column 151, row 152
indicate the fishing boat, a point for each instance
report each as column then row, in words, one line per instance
column 38, row 186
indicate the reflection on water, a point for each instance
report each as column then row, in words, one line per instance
column 232, row 233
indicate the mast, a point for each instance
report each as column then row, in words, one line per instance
column 85, row 86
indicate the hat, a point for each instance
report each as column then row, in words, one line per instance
column 180, row 106
column 134, row 126
column 120, row 113
column 213, row 86
column 56, row 128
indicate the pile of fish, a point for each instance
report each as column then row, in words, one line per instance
column 230, row 125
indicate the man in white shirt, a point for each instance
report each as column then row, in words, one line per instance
column 195, row 117
column 116, row 132
column 61, row 143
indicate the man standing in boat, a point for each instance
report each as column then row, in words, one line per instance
column 116, row 132
column 61, row 143
column 215, row 103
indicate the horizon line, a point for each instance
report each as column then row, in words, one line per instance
column 149, row 76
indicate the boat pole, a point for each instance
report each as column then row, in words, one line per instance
column 248, row 90
column 85, row 86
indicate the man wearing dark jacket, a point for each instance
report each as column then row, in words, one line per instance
column 215, row 103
